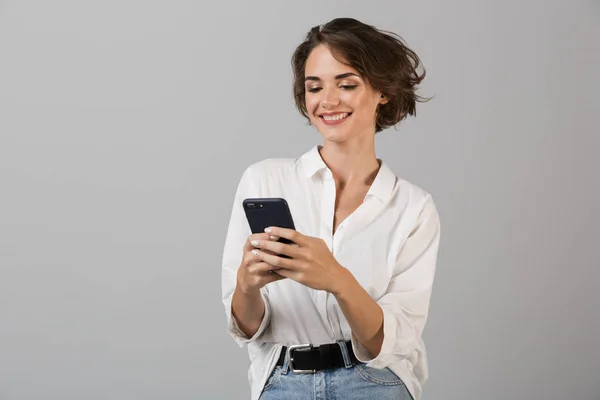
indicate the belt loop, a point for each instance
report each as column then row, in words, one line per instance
column 345, row 354
column 286, row 361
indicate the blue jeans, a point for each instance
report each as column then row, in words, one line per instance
column 346, row 383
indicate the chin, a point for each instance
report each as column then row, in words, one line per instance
column 333, row 136
column 341, row 134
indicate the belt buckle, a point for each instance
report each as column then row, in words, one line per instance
column 291, row 359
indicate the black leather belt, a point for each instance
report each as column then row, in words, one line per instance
column 309, row 359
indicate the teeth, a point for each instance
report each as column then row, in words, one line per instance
column 335, row 117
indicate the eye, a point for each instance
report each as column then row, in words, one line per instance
column 344, row 87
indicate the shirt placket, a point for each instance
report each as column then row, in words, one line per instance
column 325, row 233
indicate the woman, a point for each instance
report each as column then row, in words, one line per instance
column 354, row 294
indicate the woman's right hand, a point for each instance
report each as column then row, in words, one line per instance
column 253, row 273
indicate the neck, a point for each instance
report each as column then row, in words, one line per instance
column 351, row 162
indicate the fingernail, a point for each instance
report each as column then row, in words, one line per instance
column 255, row 252
column 268, row 230
column 254, row 243
column 273, row 237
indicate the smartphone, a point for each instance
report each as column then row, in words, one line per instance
column 271, row 211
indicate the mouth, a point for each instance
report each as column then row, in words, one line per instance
column 335, row 119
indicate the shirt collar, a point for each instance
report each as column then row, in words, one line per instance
column 384, row 183
column 382, row 187
column 311, row 162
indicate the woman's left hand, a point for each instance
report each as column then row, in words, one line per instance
column 311, row 262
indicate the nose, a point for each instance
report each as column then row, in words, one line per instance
column 329, row 98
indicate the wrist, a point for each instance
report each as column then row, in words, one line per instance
column 343, row 283
column 246, row 290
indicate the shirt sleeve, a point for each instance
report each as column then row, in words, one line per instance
column 405, row 304
column 237, row 234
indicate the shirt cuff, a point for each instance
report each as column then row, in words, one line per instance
column 387, row 347
column 234, row 330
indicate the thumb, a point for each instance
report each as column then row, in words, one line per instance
column 274, row 277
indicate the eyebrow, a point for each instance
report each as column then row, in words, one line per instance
column 340, row 76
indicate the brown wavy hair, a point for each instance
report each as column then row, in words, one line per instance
column 380, row 57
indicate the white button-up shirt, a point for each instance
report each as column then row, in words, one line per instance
column 389, row 243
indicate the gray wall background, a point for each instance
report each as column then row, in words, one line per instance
column 125, row 126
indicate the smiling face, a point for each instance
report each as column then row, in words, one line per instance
column 339, row 102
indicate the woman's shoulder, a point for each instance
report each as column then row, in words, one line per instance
column 411, row 196
column 271, row 167
column 405, row 188
column 412, row 189
column 270, row 164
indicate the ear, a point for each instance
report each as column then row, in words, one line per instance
column 383, row 99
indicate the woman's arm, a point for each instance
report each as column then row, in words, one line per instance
column 402, row 310
column 363, row 314
column 246, row 305
column 248, row 309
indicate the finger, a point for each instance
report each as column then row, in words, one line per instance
column 252, row 258
column 261, row 268
column 288, row 273
column 289, row 234
column 274, row 277
column 276, row 248
column 255, row 236
column 276, row 261
column 249, row 258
